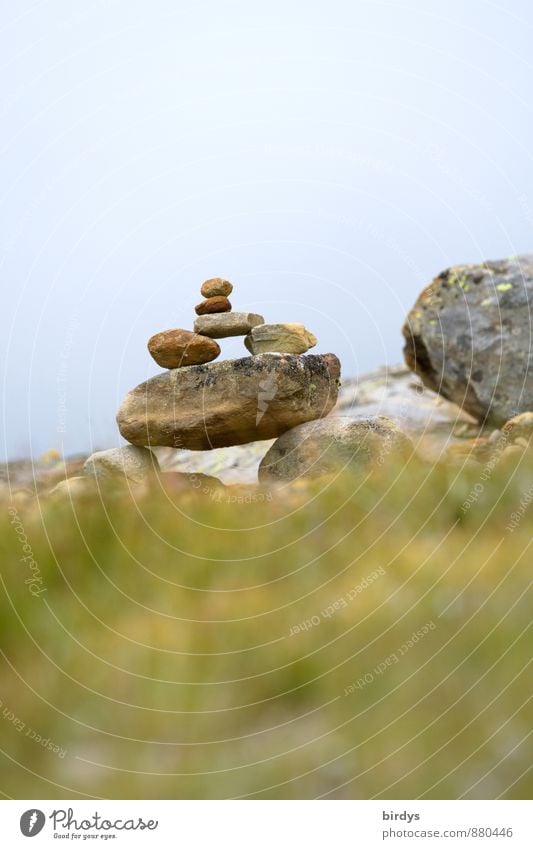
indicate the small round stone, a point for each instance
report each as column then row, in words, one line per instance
column 213, row 305
column 216, row 286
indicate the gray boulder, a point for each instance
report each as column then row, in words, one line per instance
column 230, row 402
column 332, row 445
column 468, row 337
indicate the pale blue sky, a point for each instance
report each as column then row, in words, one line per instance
column 328, row 158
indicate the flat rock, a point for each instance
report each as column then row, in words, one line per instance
column 178, row 348
column 231, row 402
column 227, row 324
column 280, row 338
column 130, row 461
column 331, row 446
column 468, row 338
column 216, row 286
column 213, row 305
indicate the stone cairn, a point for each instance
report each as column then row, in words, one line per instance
column 177, row 348
column 200, row 404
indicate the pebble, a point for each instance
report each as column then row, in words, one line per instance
column 217, row 304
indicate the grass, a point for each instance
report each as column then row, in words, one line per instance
column 160, row 658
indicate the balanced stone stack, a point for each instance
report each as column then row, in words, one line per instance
column 199, row 404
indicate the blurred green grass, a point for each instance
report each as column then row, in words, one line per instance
column 160, row 656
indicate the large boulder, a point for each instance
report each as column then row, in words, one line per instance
column 331, row 446
column 468, row 337
column 230, row 402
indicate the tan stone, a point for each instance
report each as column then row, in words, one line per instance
column 280, row 338
column 216, row 286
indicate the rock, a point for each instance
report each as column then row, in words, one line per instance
column 280, row 338
column 332, row 445
column 213, row 305
column 216, row 286
column 231, row 402
column 129, row 461
column 468, row 337
column 519, row 427
column 227, row 324
column 178, row 348
column 75, row 487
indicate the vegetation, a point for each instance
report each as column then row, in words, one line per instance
column 198, row 648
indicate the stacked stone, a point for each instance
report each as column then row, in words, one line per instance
column 199, row 404
column 178, row 348
column 215, row 317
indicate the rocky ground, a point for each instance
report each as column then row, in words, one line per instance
column 432, row 423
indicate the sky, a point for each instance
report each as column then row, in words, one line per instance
column 329, row 159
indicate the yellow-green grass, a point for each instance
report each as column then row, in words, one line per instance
column 160, row 659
